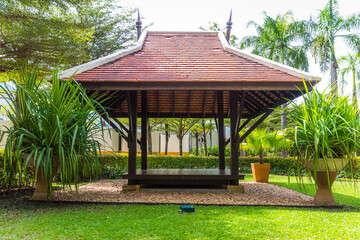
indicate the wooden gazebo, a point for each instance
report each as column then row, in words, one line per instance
column 187, row 75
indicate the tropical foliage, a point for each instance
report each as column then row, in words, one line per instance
column 53, row 128
column 351, row 65
column 261, row 142
column 326, row 127
column 279, row 39
column 42, row 33
column 328, row 26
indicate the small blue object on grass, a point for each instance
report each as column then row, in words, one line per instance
column 187, row 209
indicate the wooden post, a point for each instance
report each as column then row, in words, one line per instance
column 144, row 125
column 221, row 137
column 132, row 104
column 234, row 135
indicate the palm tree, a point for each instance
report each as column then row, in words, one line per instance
column 281, row 40
column 180, row 127
column 352, row 65
column 329, row 26
column 206, row 126
column 261, row 142
column 196, row 130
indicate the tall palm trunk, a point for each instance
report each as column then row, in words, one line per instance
column 334, row 64
column 283, row 125
column 354, row 90
column 333, row 71
column 283, row 114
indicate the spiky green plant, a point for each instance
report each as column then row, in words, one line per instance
column 260, row 141
column 53, row 127
column 326, row 127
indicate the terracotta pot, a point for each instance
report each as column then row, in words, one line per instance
column 41, row 186
column 324, row 195
column 260, row 172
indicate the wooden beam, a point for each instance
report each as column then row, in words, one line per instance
column 257, row 105
column 242, row 100
column 265, row 115
column 177, row 115
column 272, row 95
column 221, row 137
column 244, row 124
column 125, row 129
column 240, row 128
column 265, row 96
column 197, row 85
column 117, row 102
column 234, row 135
column 109, row 121
column 132, row 109
column 144, row 126
column 258, row 100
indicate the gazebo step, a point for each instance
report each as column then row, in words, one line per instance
column 183, row 177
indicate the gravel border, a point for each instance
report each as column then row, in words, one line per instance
column 256, row 194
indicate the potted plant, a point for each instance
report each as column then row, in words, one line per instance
column 326, row 136
column 259, row 143
column 52, row 131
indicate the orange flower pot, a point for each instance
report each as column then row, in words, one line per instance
column 260, row 172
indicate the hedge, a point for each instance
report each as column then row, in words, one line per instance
column 119, row 161
column 114, row 165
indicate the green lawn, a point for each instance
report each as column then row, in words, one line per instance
column 20, row 219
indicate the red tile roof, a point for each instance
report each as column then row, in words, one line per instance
column 189, row 57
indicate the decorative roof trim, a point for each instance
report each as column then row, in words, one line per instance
column 185, row 32
column 267, row 62
column 103, row 60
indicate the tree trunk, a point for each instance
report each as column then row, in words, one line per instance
column 210, row 136
column 334, row 84
column 261, row 156
column 180, row 137
column 166, row 138
column 283, row 125
column 180, row 145
column 149, row 140
column 204, row 134
column 201, row 145
column 197, row 144
column 190, row 143
column 354, row 91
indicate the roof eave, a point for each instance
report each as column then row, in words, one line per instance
column 103, row 60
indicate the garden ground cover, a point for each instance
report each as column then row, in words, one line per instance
column 23, row 219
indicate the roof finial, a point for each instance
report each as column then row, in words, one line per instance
column 138, row 25
column 228, row 27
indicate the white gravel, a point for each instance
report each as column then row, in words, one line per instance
column 255, row 194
